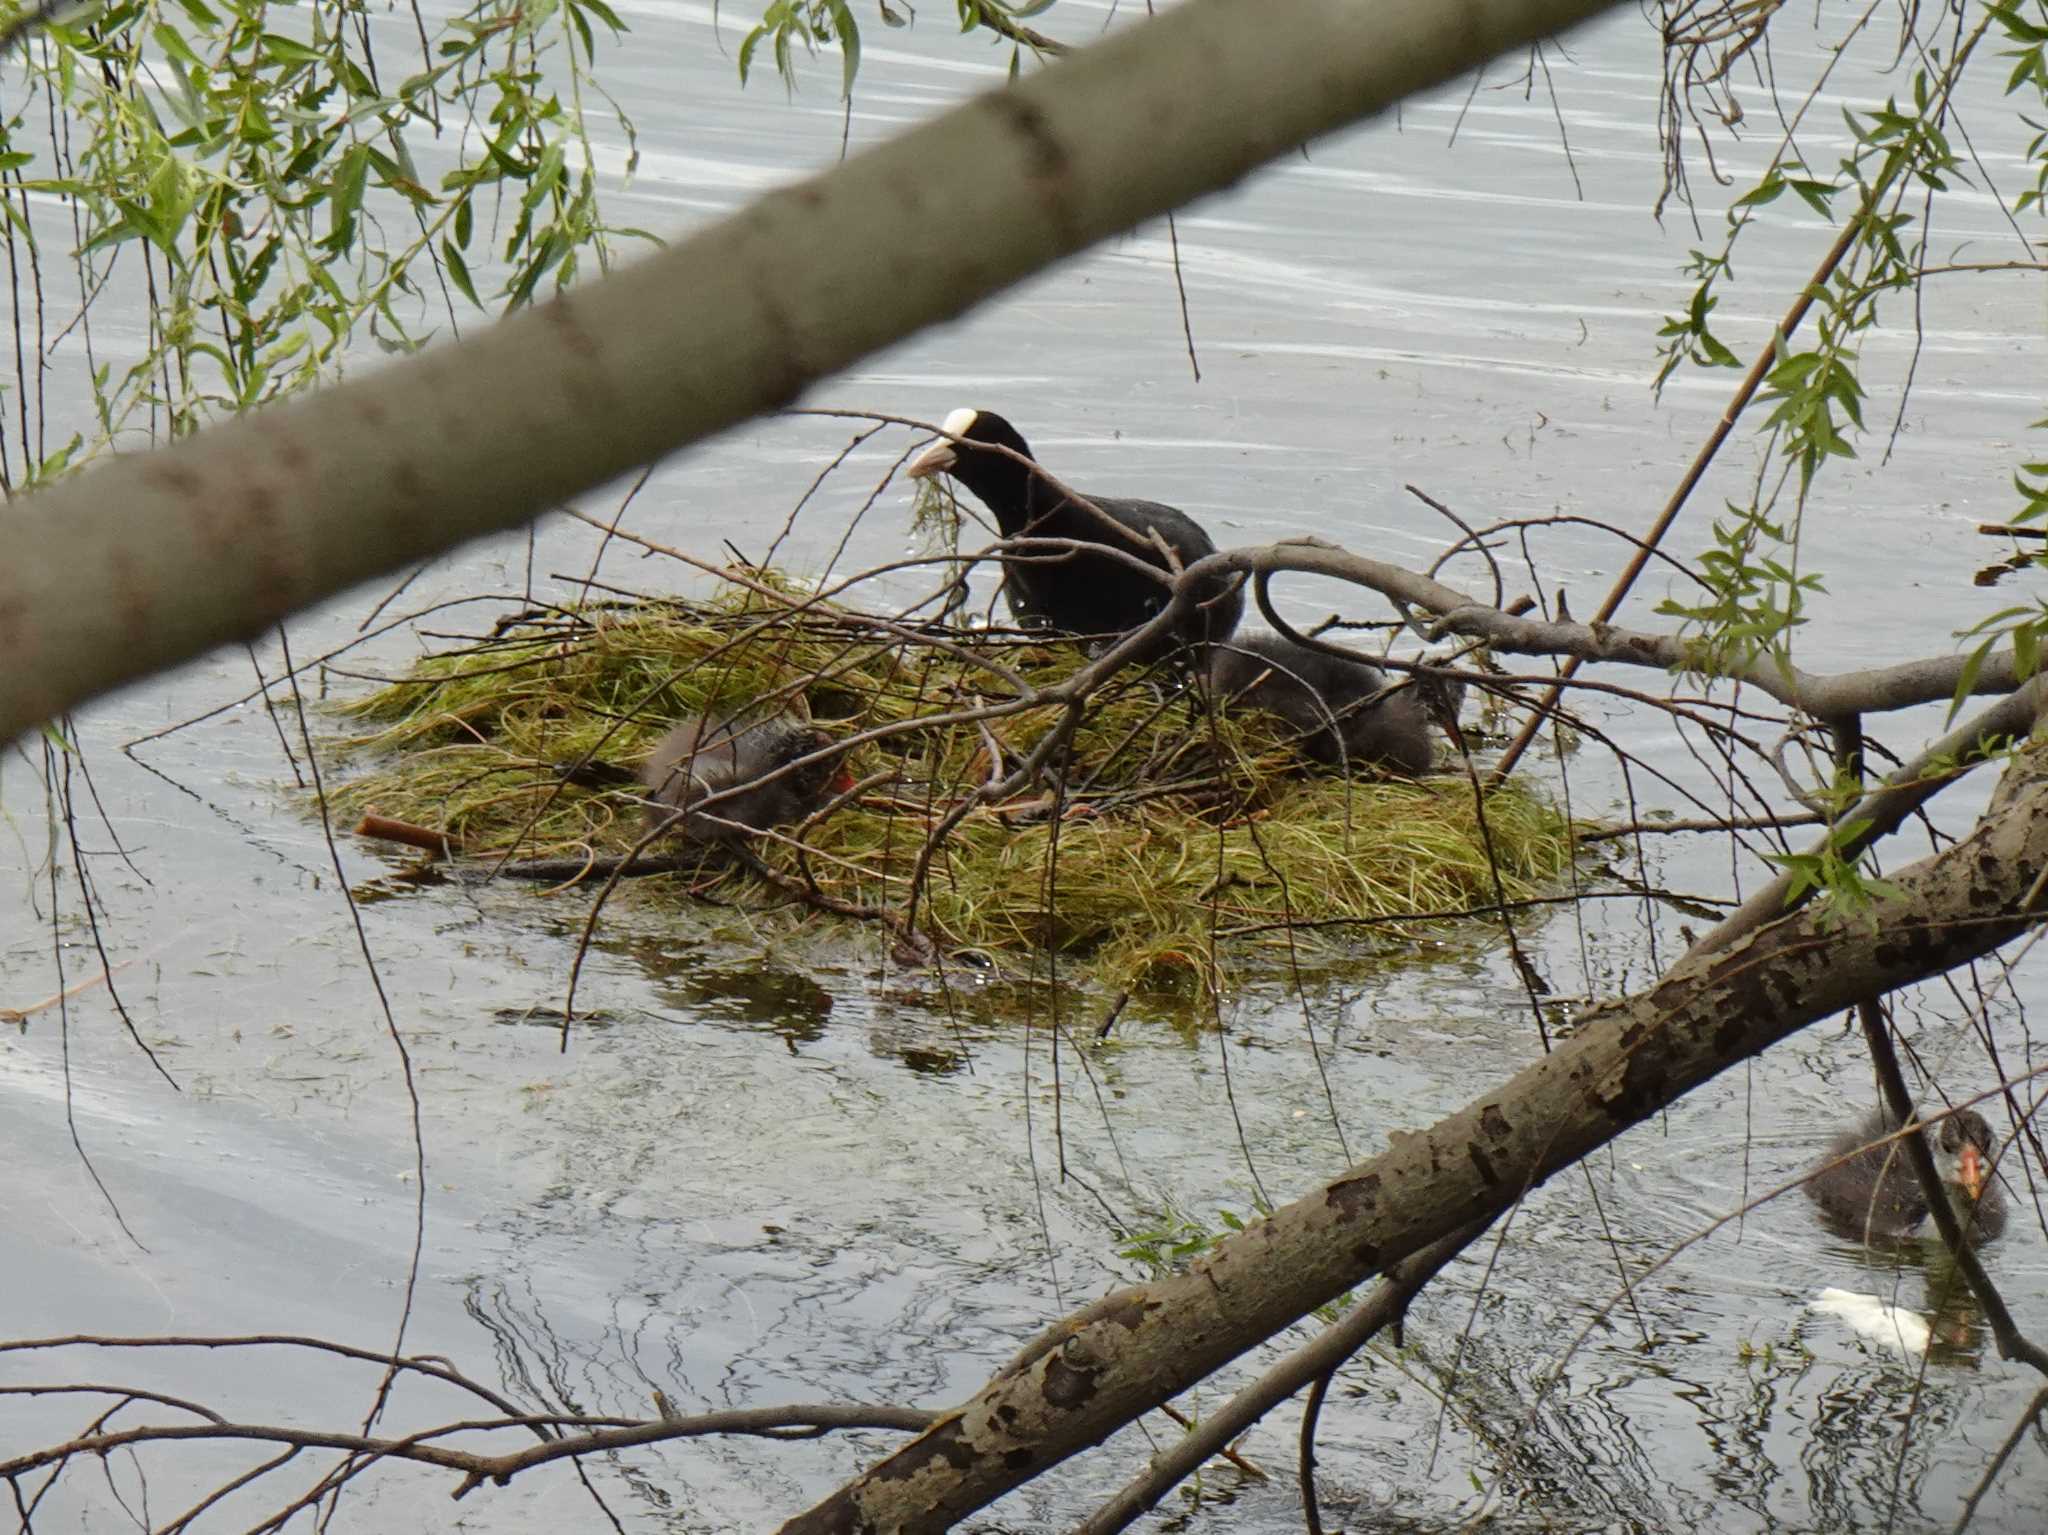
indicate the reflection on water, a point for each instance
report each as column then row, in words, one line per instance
column 1919, row 1273
column 788, row 1001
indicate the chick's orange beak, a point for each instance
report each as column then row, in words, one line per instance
column 1973, row 1172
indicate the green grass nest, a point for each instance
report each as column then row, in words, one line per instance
column 1178, row 827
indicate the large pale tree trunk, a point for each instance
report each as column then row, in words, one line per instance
column 158, row 557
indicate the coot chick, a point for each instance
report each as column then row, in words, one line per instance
column 703, row 756
column 1326, row 701
column 1867, row 1187
column 1085, row 593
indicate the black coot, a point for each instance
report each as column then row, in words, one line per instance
column 1326, row 700
column 1088, row 593
column 703, row 756
column 1866, row 1186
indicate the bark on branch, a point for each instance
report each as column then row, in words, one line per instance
column 1829, row 697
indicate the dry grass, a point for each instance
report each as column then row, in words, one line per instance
column 1177, row 828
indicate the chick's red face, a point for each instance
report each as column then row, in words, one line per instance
column 1973, row 1173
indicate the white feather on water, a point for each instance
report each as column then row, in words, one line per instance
column 1877, row 1320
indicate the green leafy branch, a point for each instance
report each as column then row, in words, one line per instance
column 819, row 24
column 1835, row 868
column 1814, row 389
column 274, row 192
column 1755, row 599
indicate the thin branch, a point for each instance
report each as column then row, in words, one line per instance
column 794, row 1422
column 2012, row 1343
column 2029, row 1417
column 1854, row 229
column 434, row 1369
column 1886, row 808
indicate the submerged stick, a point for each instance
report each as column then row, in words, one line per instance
column 389, row 829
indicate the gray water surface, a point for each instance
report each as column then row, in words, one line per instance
column 761, row 1175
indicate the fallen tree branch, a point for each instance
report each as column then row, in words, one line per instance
column 1825, row 696
column 1886, row 808
column 1874, row 690
column 1098, row 1369
column 1318, row 1357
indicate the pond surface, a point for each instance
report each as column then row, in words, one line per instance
column 762, row 1176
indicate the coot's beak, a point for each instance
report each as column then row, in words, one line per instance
column 937, row 458
column 1973, row 1173
column 843, row 780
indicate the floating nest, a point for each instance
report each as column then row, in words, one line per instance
column 1178, row 837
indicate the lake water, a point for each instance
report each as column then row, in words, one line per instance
column 760, row 1178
